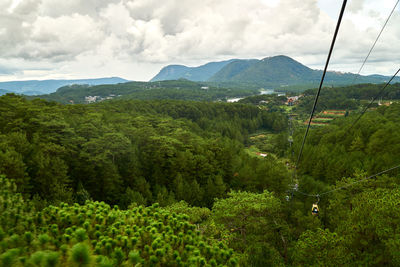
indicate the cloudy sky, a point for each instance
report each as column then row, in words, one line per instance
column 134, row 39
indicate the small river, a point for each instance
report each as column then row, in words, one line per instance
column 262, row 92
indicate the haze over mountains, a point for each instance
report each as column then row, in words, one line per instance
column 36, row 87
column 277, row 71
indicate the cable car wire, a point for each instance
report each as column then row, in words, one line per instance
column 348, row 185
column 376, row 40
column 319, row 91
column 322, row 79
column 369, row 177
column 372, row 101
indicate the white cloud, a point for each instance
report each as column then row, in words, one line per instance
column 60, row 39
column 356, row 6
column 134, row 38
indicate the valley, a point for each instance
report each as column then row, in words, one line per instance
column 138, row 133
column 197, row 158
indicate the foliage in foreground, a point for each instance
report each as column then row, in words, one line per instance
column 95, row 234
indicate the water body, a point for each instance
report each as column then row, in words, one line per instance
column 262, row 92
column 232, row 100
column 266, row 91
column 271, row 91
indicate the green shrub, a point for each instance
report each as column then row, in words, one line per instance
column 51, row 259
column 80, row 254
column 37, row 258
column 153, row 259
column 9, row 257
column 103, row 261
column 120, row 235
column 80, row 235
column 28, row 237
column 44, row 239
column 64, row 249
column 134, row 257
column 118, row 255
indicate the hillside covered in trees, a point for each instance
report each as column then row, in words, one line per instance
column 276, row 72
column 349, row 97
column 218, row 204
column 174, row 90
column 155, row 151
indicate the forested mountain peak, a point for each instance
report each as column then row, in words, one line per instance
column 233, row 70
column 280, row 58
column 200, row 73
column 284, row 62
column 269, row 72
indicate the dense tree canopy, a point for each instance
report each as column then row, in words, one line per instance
column 95, row 234
column 134, row 151
column 175, row 90
column 348, row 97
column 220, row 203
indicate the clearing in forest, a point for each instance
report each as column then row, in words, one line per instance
column 325, row 117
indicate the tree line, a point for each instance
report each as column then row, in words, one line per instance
column 134, row 151
column 347, row 97
column 174, row 90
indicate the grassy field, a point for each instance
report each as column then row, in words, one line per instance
column 325, row 117
column 256, row 152
column 318, row 119
column 287, row 109
column 261, row 144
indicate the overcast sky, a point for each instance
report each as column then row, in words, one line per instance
column 134, row 39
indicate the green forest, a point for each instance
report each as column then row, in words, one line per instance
column 173, row 182
column 349, row 97
column 181, row 89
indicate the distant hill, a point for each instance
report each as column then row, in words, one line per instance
column 277, row 72
column 36, row 87
column 181, row 89
column 201, row 73
column 279, row 69
column 232, row 69
column 3, row 92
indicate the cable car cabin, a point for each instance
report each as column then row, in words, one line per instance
column 315, row 210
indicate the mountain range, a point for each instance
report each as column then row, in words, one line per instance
column 37, row 87
column 277, row 71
